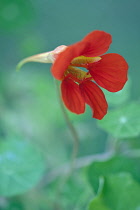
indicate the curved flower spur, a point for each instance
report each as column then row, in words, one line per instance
column 79, row 87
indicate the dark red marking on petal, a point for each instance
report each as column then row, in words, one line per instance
column 72, row 97
column 95, row 98
column 110, row 72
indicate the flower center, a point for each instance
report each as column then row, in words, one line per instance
column 77, row 74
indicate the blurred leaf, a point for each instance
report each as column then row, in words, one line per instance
column 15, row 13
column 120, row 97
column 71, row 193
column 21, row 165
column 123, row 122
column 98, row 204
column 76, row 193
column 113, row 166
column 13, row 204
column 134, row 143
column 120, row 192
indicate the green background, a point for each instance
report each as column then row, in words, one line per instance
column 30, row 113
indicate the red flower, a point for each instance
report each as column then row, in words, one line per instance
column 79, row 87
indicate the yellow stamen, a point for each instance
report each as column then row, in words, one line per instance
column 82, row 60
column 77, row 73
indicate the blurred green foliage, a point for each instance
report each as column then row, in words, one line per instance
column 119, row 98
column 22, row 166
column 15, row 13
column 120, row 192
column 123, row 122
column 35, row 142
column 114, row 165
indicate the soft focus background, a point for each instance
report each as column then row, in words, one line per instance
column 35, row 142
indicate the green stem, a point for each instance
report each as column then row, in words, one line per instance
column 70, row 126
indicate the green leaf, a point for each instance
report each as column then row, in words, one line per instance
column 120, row 97
column 98, row 204
column 120, row 192
column 21, row 165
column 113, row 166
column 75, row 194
column 123, row 122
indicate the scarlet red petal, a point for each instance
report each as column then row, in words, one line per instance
column 110, row 72
column 72, row 97
column 95, row 98
column 64, row 58
column 99, row 43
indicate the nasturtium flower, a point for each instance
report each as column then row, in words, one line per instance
column 80, row 87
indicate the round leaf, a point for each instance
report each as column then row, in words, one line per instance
column 21, row 167
column 120, row 192
column 123, row 122
column 114, row 165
